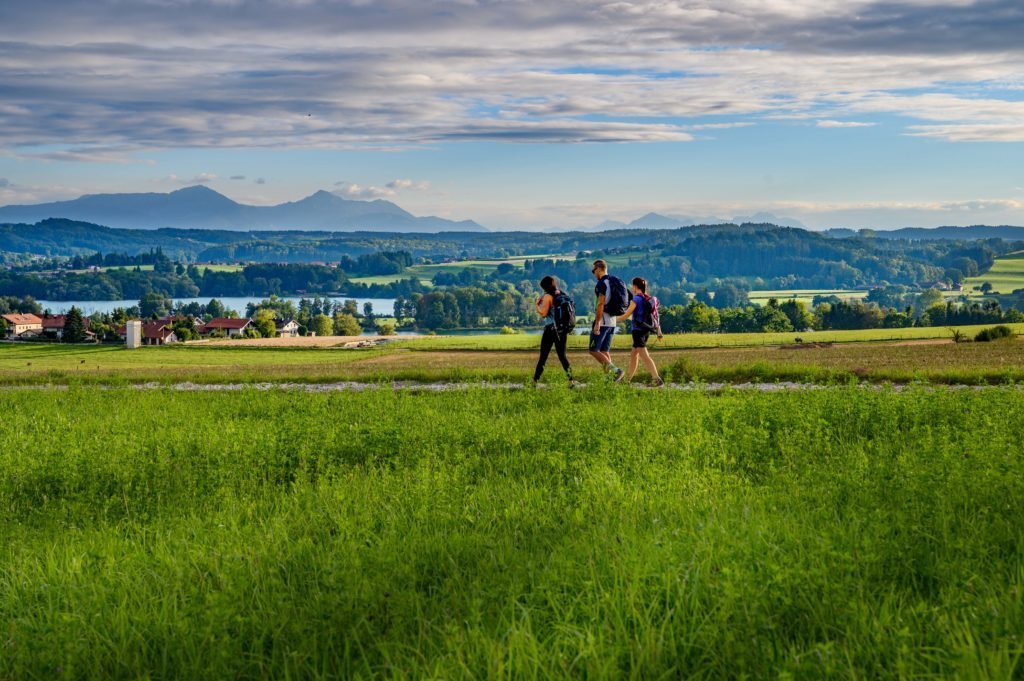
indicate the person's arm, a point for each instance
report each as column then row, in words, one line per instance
column 544, row 304
column 629, row 310
column 598, row 314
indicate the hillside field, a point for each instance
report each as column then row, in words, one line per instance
column 1006, row 275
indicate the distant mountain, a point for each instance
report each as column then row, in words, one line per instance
column 659, row 221
column 200, row 207
column 1004, row 232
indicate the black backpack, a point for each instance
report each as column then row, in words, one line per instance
column 563, row 313
column 616, row 302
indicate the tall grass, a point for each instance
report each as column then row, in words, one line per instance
column 490, row 534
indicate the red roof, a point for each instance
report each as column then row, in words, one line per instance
column 156, row 330
column 22, row 319
column 227, row 323
column 57, row 321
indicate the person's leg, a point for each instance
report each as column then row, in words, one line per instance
column 547, row 339
column 608, row 332
column 634, row 360
column 599, row 346
column 649, row 361
column 561, row 340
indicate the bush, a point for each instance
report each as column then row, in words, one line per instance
column 386, row 329
column 995, row 333
column 683, row 370
column 508, row 331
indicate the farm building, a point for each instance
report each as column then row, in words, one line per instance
column 158, row 333
column 227, row 326
column 18, row 324
column 287, row 329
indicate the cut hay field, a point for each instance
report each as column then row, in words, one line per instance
column 806, row 296
column 511, row 358
column 1006, row 275
column 837, row 533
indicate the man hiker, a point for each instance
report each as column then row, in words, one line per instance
column 612, row 300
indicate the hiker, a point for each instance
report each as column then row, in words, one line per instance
column 559, row 315
column 612, row 299
column 646, row 320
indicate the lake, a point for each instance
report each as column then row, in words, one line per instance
column 381, row 306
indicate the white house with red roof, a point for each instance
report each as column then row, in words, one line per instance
column 227, row 326
column 18, row 324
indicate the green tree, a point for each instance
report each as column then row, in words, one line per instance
column 154, row 305
column 346, row 325
column 986, row 287
column 265, row 323
column 322, row 325
column 386, row 329
column 797, row 313
column 74, row 327
column 3, row 327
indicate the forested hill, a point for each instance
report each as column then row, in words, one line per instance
column 1006, row 232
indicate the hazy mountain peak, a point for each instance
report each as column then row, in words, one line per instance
column 200, row 207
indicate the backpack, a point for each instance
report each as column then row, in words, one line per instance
column 563, row 313
column 616, row 302
column 651, row 317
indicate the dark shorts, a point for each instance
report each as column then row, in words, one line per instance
column 602, row 342
column 640, row 338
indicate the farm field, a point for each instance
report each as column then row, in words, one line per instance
column 1006, row 275
column 511, row 358
column 425, row 273
column 480, row 534
column 806, row 296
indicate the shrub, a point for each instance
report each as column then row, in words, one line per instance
column 683, row 370
column 508, row 331
column 386, row 329
column 995, row 333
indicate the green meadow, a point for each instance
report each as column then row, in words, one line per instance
column 1006, row 275
column 836, row 533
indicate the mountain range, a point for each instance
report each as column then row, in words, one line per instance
column 659, row 221
column 200, row 207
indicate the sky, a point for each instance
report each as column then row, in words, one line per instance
column 527, row 113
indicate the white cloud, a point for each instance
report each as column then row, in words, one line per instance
column 413, row 185
column 843, row 124
column 357, row 191
column 395, row 74
column 202, row 178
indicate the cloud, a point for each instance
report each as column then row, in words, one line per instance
column 395, row 74
column 202, row 178
column 4, row 183
column 260, row 180
column 843, row 124
column 237, row 177
column 398, row 185
column 356, row 191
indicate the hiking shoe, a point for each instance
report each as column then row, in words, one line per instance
column 660, row 383
column 619, row 375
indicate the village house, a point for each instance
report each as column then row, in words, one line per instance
column 18, row 324
column 227, row 326
column 287, row 329
column 53, row 326
column 155, row 332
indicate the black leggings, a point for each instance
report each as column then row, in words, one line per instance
column 552, row 337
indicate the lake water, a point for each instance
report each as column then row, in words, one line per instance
column 381, row 306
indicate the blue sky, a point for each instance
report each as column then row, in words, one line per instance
column 527, row 114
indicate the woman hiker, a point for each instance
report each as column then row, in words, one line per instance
column 552, row 336
column 643, row 309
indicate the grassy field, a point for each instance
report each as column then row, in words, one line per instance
column 1006, row 275
column 511, row 358
column 839, row 533
column 806, row 296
